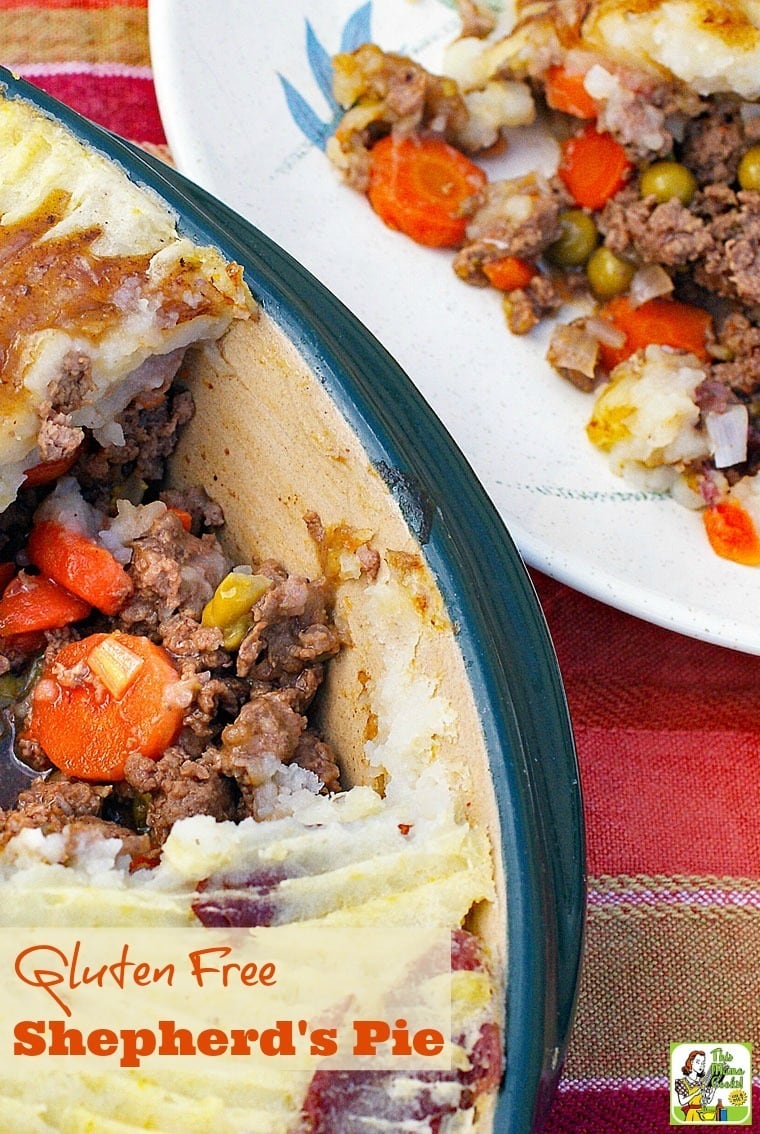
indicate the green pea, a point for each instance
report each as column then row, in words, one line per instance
column 749, row 169
column 667, row 179
column 578, row 240
column 608, row 274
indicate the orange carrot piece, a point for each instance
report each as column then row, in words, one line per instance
column 88, row 733
column 34, row 602
column 664, row 322
column 419, row 186
column 509, row 273
column 565, row 91
column 28, row 644
column 48, row 471
column 184, row 517
column 80, row 565
column 732, row 533
column 593, row 167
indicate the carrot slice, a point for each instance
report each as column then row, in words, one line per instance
column 80, row 565
column 28, row 644
column 419, row 186
column 665, row 322
column 732, row 533
column 34, row 602
column 184, row 517
column 566, row 91
column 509, row 273
column 48, row 471
column 593, row 167
column 86, row 731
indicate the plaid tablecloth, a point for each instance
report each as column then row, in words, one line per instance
column 668, row 729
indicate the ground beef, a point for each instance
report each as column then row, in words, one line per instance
column 175, row 788
column 388, row 92
column 718, row 236
column 267, row 726
column 189, row 641
column 713, row 396
column 291, row 630
column 30, row 753
column 51, row 802
column 18, row 652
column 57, row 438
column 739, row 339
column 742, row 253
column 715, row 140
column 268, row 736
column 215, row 701
column 527, row 306
column 172, row 571
column 714, row 201
column 239, row 732
column 239, row 729
column 262, row 739
column 58, row 804
column 731, row 267
column 315, row 756
column 70, row 389
column 673, row 236
column 150, row 436
column 301, row 687
column 739, row 336
column 516, row 217
column 669, row 234
column 638, row 123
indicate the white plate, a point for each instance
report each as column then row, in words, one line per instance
column 233, row 77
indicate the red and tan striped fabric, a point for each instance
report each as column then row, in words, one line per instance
column 668, row 729
column 668, row 735
column 92, row 55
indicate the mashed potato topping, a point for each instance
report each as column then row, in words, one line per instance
column 118, row 293
column 713, row 46
column 646, row 417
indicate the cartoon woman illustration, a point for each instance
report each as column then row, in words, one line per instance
column 694, row 1093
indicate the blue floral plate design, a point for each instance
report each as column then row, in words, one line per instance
column 246, row 100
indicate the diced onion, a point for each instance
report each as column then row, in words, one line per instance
column 109, row 434
column 728, row 435
column 649, row 282
column 131, row 522
column 573, row 352
column 605, row 332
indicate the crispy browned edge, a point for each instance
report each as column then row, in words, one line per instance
column 270, row 445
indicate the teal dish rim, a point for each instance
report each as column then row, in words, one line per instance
column 503, row 636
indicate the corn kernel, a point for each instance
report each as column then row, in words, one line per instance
column 229, row 610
